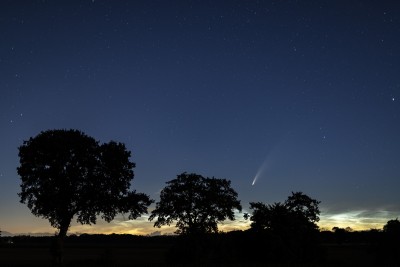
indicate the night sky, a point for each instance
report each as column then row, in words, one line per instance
column 302, row 95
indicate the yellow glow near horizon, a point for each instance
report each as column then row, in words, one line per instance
column 357, row 220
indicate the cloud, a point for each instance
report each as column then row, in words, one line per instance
column 357, row 219
column 155, row 233
column 5, row 233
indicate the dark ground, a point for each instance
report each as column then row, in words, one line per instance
column 225, row 250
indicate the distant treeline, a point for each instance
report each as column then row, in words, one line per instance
column 243, row 247
column 324, row 237
column 92, row 239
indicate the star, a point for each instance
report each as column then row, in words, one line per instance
column 392, row 98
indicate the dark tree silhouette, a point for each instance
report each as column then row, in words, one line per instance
column 340, row 234
column 298, row 211
column 392, row 227
column 66, row 173
column 304, row 206
column 275, row 217
column 390, row 247
column 291, row 224
column 196, row 203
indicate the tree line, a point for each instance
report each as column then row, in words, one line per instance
column 67, row 174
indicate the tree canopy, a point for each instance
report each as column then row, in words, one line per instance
column 299, row 211
column 196, row 203
column 65, row 173
column 392, row 227
column 291, row 225
column 304, row 206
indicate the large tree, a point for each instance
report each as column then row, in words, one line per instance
column 196, row 203
column 303, row 206
column 65, row 173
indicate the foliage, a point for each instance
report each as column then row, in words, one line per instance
column 196, row 203
column 304, row 206
column 65, row 173
column 291, row 224
column 297, row 212
column 392, row 227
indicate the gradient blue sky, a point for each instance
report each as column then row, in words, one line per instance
column 306, row 94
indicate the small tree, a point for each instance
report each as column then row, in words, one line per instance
column 392, row 227
column 390, row 245
column 196, row 203
column 65, row 173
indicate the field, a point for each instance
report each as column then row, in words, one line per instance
column 154, row 253
column 90, row 256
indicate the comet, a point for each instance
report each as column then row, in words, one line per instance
column 261, row 170
column 255, row 179
column 267, row 163
column 270, row 158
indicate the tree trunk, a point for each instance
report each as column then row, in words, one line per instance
column 58, row 245
column 64, row 229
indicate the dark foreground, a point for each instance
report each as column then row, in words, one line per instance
column 235, row 249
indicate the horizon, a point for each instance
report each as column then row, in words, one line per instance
column 167, row 233
column 103, row 227
column 273, row 96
